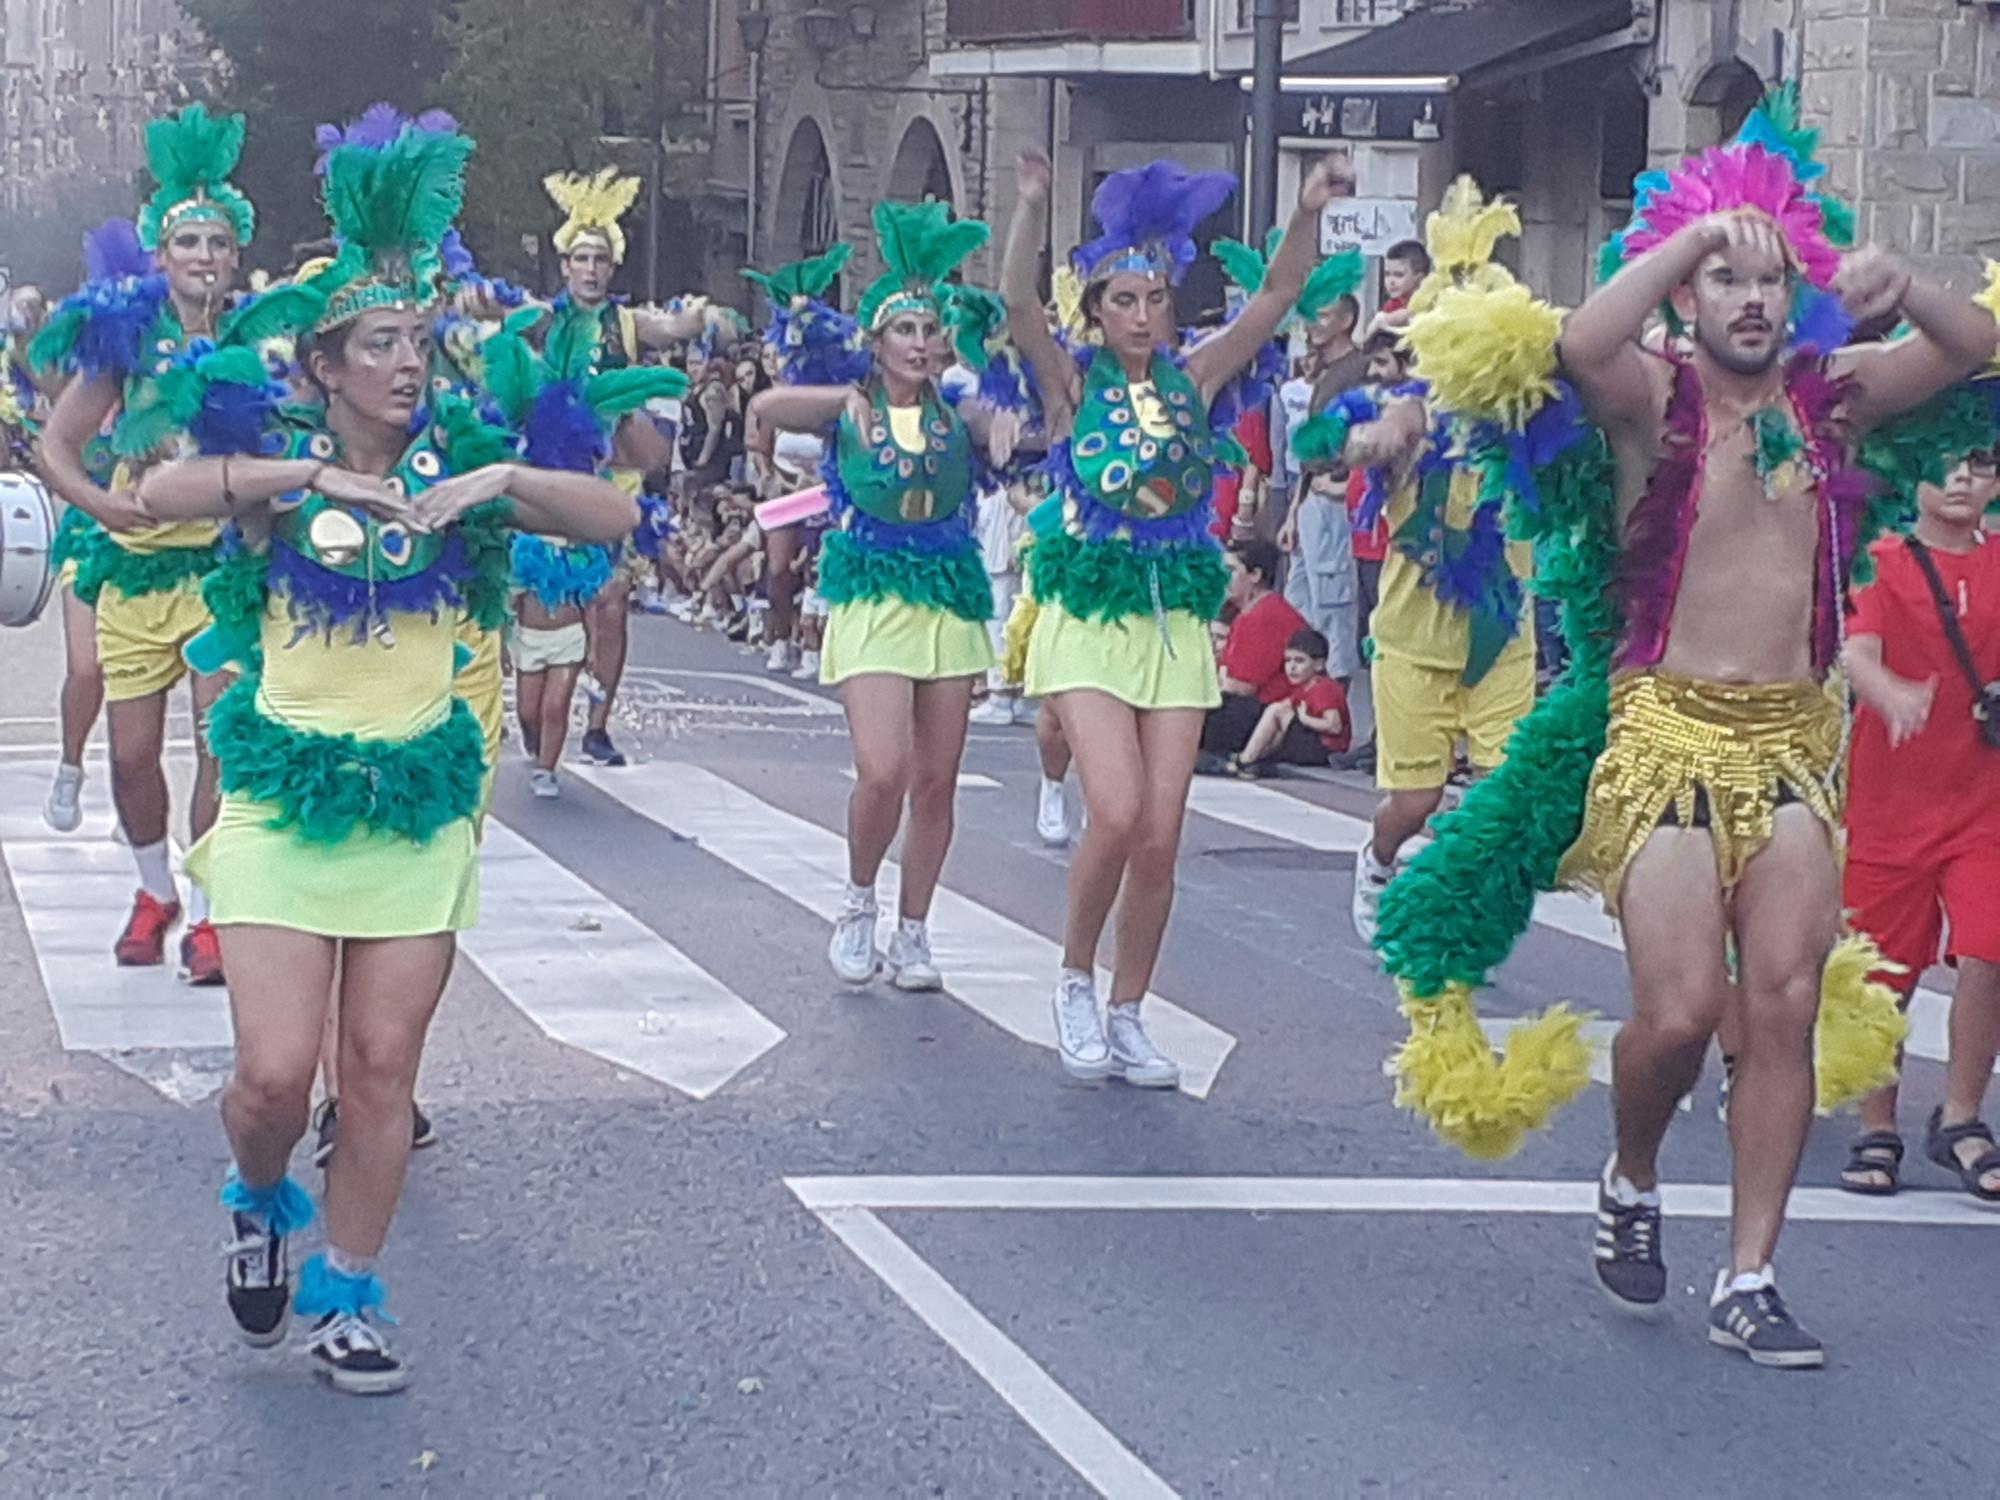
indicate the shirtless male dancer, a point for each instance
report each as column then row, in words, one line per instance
column 1713, row 810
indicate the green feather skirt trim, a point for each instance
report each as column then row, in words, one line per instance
column 136, row 574
column 1113, row 580
column 328, row 786
column 955, row 582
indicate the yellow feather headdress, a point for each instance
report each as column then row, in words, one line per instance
column 595, row 203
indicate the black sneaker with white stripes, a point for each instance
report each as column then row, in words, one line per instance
column 1629, row 1267
column 1753, row 1320
column 349, row 1353
column 260, row 1283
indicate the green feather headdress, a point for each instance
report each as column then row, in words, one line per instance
column 192, row 154
column 809, row 280
column 390, row 208
column 1338, row 276
column 921, row 244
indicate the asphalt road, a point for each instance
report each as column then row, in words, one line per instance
column 704, row 1223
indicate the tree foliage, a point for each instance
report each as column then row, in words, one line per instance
column 299, row 64
column 540, row 84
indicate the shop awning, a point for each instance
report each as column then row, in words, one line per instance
column 1435, row 49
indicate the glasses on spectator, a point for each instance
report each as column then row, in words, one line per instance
column 1984, row 465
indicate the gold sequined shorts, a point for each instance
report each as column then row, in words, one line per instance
column 1683, row 752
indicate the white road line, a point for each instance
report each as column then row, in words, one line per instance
column 813, row 702
column 1078, row 1438
column 75, row 891
column 968, row 781
column 995, row 966
column 1392, row 1195
column 594, row 977
column 1297, row 821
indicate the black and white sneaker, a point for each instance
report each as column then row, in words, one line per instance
column 350, row 1354
column 1627, row 1250
column 326, row 1131
column 260, row 1283
column 1747, row 1314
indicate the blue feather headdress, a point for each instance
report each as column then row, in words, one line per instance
column 1147, row 217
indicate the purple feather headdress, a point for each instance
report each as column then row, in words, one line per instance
column 111, row 252
column 1147, row 217
column 378, row 126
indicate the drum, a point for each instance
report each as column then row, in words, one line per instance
column 27, row 533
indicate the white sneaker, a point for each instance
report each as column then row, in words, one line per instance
column 808, row 667
column 1371, row 879
column 851, row 950
column 1134, row 1058
column 1079, row 1028
column 543, row 783
column 995, row 710
column 64, row 810
column 1025, row 711
column 684, row 610
column 781, row 657
column 909, row 959
column 1052, row 814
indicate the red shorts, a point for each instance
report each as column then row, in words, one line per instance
column 1906, row 909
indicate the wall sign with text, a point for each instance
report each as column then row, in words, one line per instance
column 1324, row 116
column 1372, row 223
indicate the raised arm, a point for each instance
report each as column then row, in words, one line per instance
column 1623, row 386
column 660, row 326
column 1231, row 349
column 791, row 408
column 79, row 415
column 1951, row 338
column 200, row 489
column 1027, row 321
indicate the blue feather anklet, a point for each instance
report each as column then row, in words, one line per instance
column 285, row 1207
column 323, row 1290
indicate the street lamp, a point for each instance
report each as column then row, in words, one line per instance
column 754, row 26
column 822, row 25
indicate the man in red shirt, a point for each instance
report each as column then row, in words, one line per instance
column 1923, row 814
column 1253, row 657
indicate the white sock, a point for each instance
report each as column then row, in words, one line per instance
column 156, row 873
column 1374, row 866
column 910, row 926
column 1051, row 786
column 1622, row 1190
column 860, row 897
column 343, row 1264
column 1123, row 1008
column 197, row 904
column 1727, row 1286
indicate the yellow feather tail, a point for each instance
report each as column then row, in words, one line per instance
column 1020, row 626
column 1861, row 1030
column 1481, row 1103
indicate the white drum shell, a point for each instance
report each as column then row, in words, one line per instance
column 27, row 535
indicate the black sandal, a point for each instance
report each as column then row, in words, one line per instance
column 1878, row 1151
column 1941, row 1142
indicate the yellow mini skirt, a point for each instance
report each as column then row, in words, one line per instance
column 894, row 638
column 1132, row 659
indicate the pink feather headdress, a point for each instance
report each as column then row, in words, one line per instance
column 1737, row 177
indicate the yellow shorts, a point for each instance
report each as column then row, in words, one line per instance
column 894, row 638
column 139, row 641
column 537, row 650
column 1422, row 712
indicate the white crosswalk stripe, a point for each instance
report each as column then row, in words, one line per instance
column 997, row 967
column 1293, row 820
column 591, row 975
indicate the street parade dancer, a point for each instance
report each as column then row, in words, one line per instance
column 591, row 242
column 1123, row 576
column 352, row 772
column 128, row 342
column 1689, row 767
column 909, row 597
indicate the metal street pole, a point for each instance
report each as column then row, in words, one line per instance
column 1267, row 62
column 752, row 183
column 657, row 168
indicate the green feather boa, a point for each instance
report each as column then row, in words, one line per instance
column 1112, row 580
column 955, row 582
column 1919, row 447
column 326, row 787
column 101, row 561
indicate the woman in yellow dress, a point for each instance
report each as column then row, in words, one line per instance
column 906, row 632
column 352, row 771
column 1123, row 575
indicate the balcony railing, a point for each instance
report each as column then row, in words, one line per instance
column 979, row 21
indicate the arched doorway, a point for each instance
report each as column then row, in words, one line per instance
column 1721, row 102
column 808, row 212
column 921, row 170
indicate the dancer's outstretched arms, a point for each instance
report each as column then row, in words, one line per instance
column 555, row 502
column 202, row 489
column 1230, row 350
column 78, row 417
column 1951, row 337
column 1027, row 321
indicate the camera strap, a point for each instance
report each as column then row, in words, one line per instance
column 1948, row 613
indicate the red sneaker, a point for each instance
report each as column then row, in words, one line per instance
column 201, row 955
column 143, row 944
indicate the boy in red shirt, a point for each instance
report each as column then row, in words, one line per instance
column 1306, row 725
column 1923, row 811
